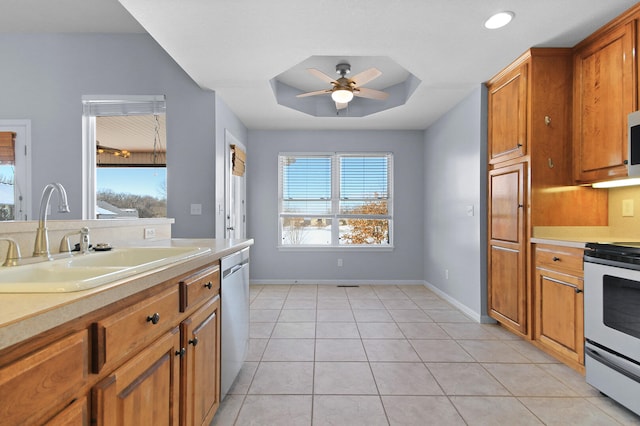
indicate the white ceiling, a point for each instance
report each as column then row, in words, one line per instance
column 235, row 47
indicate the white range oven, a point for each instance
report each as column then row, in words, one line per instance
column 612, row 320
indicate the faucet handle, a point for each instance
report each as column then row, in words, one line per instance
column 65, row 245
column 13, row 252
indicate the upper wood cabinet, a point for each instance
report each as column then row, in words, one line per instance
column 604, row 94
column 508, row 119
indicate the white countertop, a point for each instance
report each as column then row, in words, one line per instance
column 23, row 315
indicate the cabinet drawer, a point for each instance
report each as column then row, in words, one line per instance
column 134, row 327
column 37, row 384
column 198, row 287
column 566, row 259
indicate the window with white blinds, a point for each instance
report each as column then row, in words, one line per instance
column 335, row 199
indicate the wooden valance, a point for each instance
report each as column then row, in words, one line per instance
column 238, row 159
column 7, row 148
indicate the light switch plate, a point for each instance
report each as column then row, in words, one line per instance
column 627, row 208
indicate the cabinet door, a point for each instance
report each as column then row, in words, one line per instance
column 44, row 382
column 507, row 287
column 144, row 390
column 559, row 314
column 507, row 293
column 506, row 203
column 201, row 364
column 604, row 94
column 508, row 116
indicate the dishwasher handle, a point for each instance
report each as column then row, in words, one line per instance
column 235, row 268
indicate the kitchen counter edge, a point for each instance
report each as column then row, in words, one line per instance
column 27, row 315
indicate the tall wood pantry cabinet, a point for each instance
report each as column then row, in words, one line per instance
column 529, row 175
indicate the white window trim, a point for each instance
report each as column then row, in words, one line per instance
column 335, row 186
column 117, row 105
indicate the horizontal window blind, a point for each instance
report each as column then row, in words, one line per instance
column 335, row 199
column 364, row 182
column 306, row 184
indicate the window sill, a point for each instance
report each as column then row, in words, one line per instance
column 335, row 249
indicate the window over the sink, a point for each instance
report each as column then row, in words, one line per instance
column 335, row 199
column 125, row 156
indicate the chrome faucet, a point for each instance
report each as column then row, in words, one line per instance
column 41, row 247
column 13, row 252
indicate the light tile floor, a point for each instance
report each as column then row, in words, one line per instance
column 397, row 355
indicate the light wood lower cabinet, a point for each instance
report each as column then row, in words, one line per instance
column 41, row 385
column 150, row 359
column 201, row 375
column 143, row 391
column 558, row 303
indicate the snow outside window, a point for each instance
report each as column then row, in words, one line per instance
column 335, row 199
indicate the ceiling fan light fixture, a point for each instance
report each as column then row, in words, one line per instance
column 342, row 96
column 499, row 20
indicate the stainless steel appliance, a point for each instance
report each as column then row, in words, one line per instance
column 234, row 293
column 612, row 320
column 633, row 146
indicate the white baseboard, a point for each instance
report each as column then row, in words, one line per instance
column 339, row 282
column 464, row 308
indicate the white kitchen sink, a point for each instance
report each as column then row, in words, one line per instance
column 86, row 271
column 133, row 256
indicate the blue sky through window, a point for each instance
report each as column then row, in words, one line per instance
column 133, row 180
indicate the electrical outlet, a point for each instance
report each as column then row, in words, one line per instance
column 627, row 208
column 340, row 262
column 149, row 233
column 196, row 209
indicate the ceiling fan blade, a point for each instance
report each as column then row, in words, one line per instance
column 317, row 92
column 340, row 106
column 322, row 76
column 363, row 92
column 366, row 76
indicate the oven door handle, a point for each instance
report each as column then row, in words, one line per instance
column 614, row 362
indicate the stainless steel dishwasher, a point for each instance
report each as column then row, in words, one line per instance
column 235, row 315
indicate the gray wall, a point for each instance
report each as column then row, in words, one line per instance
column 454, row 162
column 269, row 264
column 43, row 79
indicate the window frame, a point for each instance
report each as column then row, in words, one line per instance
column 335, row 216
column 107, row 105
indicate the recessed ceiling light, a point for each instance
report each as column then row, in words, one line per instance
column 499, row 20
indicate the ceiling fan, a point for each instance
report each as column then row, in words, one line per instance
column 344, row 88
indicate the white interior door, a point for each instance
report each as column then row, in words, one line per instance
column 235, row 194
